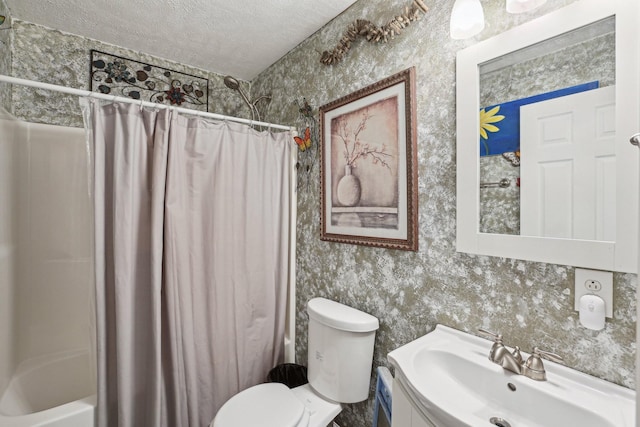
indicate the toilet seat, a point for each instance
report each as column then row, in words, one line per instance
column 264, row 405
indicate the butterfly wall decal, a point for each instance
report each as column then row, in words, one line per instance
column 305, row 109
column 513, row 157
column 304, row 143
column 2, row 18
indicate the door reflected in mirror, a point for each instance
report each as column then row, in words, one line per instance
column 547, row 126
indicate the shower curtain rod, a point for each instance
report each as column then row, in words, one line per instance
column 86, row 93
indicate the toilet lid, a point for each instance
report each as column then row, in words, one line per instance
column 264, row 405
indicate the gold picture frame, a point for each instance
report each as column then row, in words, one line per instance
column 369, row 175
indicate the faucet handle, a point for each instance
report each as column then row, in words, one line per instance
column 495, row 354
column 548, row 355
column 534, row 368
column 496, row 337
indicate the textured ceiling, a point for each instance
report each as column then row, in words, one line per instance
column 236, row 37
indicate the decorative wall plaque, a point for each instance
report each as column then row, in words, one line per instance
column 115, row 75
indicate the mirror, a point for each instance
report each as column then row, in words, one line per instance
column 574, row 149
column 545, row 170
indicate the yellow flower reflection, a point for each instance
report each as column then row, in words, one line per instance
column 488, row 117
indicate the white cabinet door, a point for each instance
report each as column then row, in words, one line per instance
column 568, row 166
column 403, row 414
column 400, row 407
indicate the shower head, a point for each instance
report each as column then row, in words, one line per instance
column 231, row 83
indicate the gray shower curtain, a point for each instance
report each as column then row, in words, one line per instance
column 192, row 249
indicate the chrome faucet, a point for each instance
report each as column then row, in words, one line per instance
column 512, row 361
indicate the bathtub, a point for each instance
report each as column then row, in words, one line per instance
column 51, row 391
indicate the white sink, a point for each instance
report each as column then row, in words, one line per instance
column 448, row 376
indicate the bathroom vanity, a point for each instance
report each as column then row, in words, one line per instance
column 446, row 379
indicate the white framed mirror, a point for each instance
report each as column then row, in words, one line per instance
column 545, row 171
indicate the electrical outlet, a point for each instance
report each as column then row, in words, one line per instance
column 593, row 285
column 595, row 282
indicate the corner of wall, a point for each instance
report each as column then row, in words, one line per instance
column 5, row 55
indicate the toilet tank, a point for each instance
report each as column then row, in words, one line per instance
column 340, row 350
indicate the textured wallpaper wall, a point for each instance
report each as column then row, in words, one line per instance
column 42, row 54
column 530, row 303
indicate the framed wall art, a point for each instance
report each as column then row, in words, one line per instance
column 369, row 176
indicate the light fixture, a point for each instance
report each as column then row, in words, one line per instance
column 520, row 6
column 467, row 19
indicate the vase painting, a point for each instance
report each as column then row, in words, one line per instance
column 348, row 191
column 366, row 162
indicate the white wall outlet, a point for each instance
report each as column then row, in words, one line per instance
column 595, row 282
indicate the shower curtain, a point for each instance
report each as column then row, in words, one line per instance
column 192, row 220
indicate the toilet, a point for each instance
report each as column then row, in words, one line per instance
column 340, row 342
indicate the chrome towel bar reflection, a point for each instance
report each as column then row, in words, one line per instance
column 503, row 183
